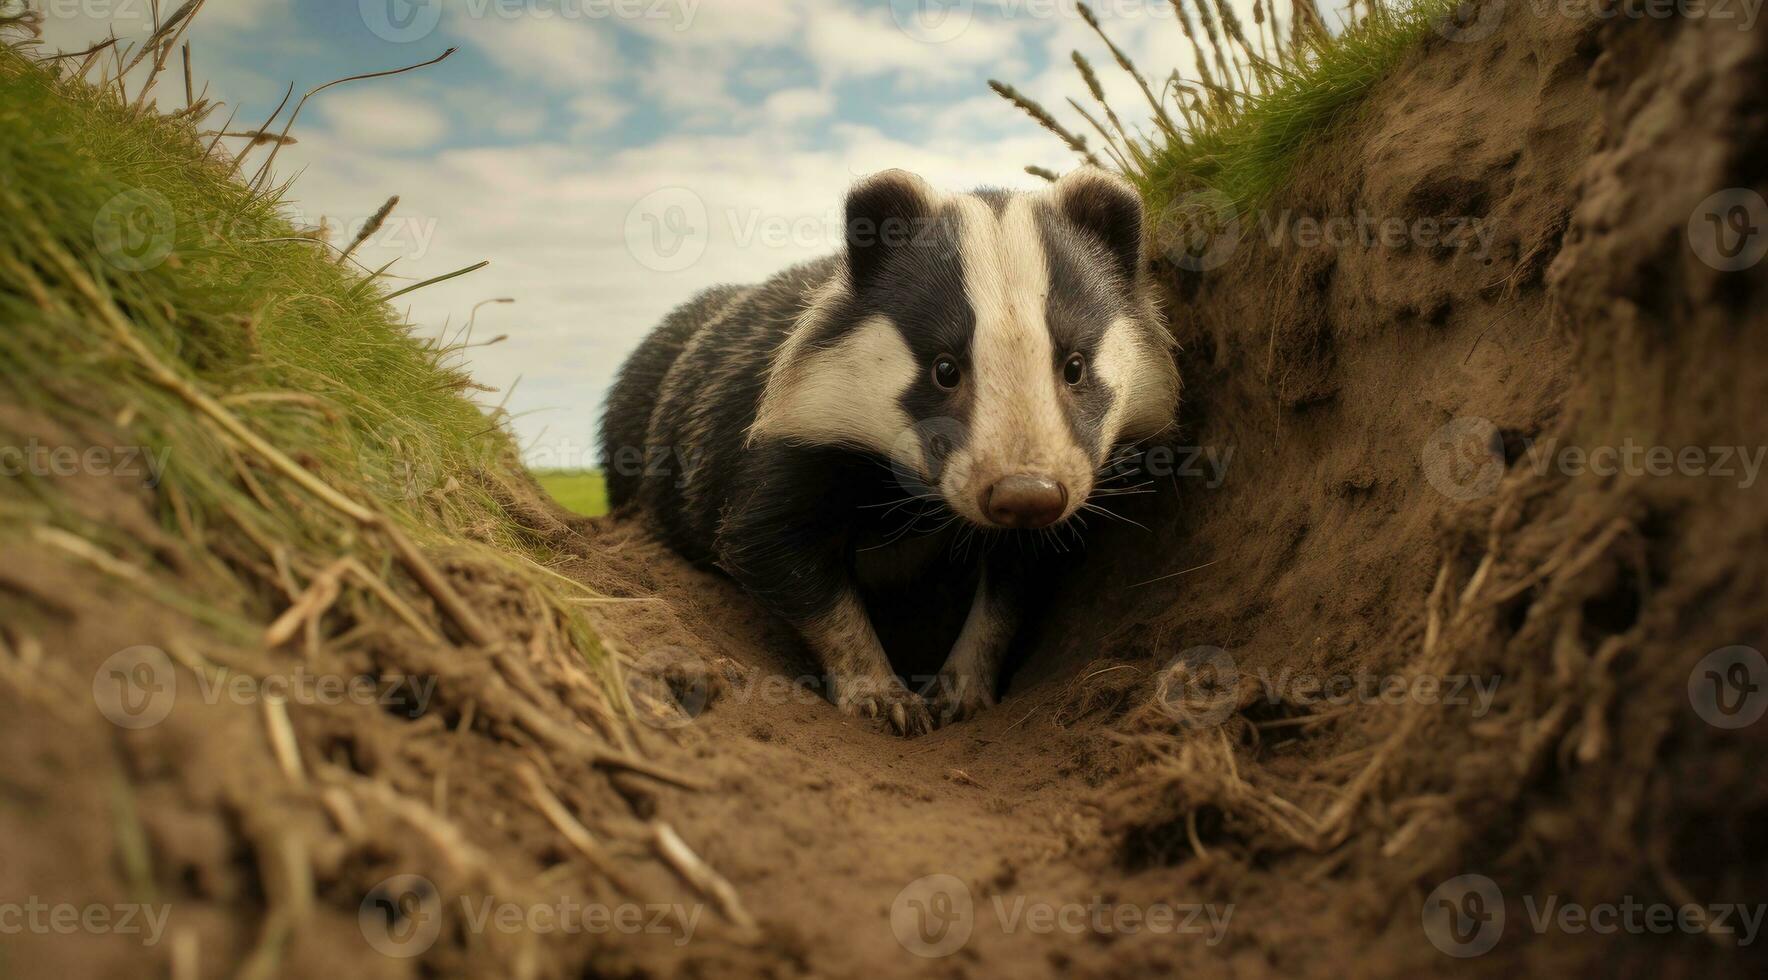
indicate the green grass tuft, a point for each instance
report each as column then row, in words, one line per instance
column 1243, row 147
column 1231, row 139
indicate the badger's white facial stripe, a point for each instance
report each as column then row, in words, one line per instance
column 1018, row 422
column 846, row 394
column 1142, row 380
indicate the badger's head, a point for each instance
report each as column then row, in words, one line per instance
column 993, row 346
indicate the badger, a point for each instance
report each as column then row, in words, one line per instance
column 923, row 408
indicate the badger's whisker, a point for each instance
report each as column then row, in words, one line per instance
column 900, row 501
column 1115, row 516
column 904, row 503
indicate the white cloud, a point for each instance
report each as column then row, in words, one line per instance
column 393, row 122
column 693, row 84
column 595, row 113
column 720, row 23
column 797, row 105
column 468, row 110
column 848, row 43
column 238, row 13
column 560, row 53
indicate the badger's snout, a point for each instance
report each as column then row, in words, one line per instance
column 1025, row 500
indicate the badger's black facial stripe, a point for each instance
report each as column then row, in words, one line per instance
column 917, row 284
column 1085, row 298
column 1109, row 212
column 884, row 214
column 924, row 296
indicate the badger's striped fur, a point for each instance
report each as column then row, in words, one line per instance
column 971, row 360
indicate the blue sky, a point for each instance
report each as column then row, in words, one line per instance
column 613, row 157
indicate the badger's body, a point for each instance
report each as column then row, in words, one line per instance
column 957, row 377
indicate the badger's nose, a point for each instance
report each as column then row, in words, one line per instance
column 1023, row 500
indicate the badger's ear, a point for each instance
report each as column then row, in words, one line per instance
column 1105, row 206
column 884, row 214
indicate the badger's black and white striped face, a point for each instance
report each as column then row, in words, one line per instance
column 993, row 345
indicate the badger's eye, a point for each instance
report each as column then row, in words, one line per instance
column 1074, row 369
column 946, row 373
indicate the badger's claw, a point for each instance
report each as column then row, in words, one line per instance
column 906, row 713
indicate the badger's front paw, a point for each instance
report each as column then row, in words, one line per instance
column 956, row 696
column 885, row 698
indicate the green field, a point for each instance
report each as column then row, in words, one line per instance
column 579, row 491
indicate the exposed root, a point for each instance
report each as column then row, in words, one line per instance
column 696, row 872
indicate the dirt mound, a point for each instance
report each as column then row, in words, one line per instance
column 1459, row 585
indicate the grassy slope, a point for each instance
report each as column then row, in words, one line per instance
column 146, row 296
